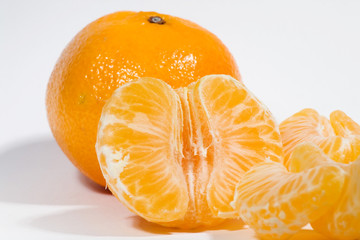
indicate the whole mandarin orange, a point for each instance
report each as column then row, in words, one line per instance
column 116, row 49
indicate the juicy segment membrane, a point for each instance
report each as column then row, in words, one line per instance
column 243, row 134
column 277, row 203
column 175, row 157
column 139, row 149
column 342, row 220
column 338, row 137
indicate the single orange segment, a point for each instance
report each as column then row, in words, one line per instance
column 243, row 133
column 140, row 151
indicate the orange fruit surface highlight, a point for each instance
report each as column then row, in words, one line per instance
column 116, row 49
column 342, row 221
column 175, row 157
column 277, row 203
column 338, row 137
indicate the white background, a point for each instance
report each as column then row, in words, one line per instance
column 291, row 54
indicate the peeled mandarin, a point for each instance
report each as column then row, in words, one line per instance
column 174, row 157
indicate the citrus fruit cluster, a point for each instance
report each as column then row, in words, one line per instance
column 153, row 107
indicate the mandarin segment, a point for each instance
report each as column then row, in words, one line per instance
column 277, row 204
column 139, row 149
column 307, row 155
column 243, row 134
column 342, row 221
column 338, row 137
column 343, row 125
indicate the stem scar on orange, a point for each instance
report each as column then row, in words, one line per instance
column 116, row 49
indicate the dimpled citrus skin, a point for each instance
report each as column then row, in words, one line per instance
column 116, row 49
